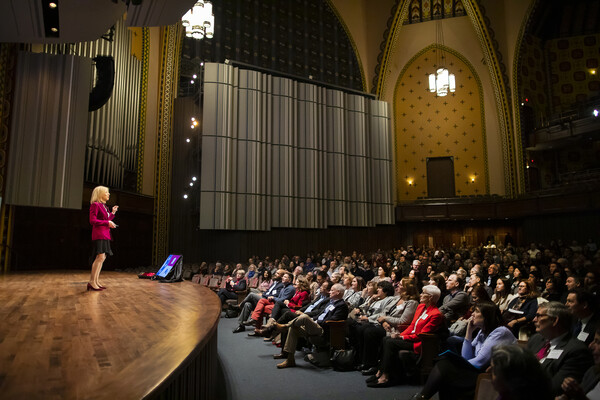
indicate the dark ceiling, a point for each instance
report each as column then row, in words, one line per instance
column 554, row 19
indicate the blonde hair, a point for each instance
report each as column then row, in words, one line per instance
column 97, row 192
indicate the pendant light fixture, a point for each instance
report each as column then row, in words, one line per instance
column 442, row 81
column 199, row 21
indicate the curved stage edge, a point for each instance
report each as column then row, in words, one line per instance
column 139, row 339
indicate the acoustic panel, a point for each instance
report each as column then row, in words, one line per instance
column 281, row 153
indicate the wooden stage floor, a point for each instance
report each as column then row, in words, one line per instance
column 58, row 341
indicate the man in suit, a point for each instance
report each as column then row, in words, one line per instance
column 265, row 305
column 250, row 302
column 560, row 354
column 455, row 303
column 305, row 326
column 313, row 310
column 582, row 305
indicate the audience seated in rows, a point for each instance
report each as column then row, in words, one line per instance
column 525, row 285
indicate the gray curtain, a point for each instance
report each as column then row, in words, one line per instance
column 48, row 131
column 278, row 153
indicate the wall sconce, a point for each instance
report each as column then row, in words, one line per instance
column 472, row 179
column 593, row 71
column 410, row 182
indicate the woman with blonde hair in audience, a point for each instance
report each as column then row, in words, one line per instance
column 251, row 271
column 502, row 295
column 397, row 317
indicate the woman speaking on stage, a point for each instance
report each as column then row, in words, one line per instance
column 101, row 221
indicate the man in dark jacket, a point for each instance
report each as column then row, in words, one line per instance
column 561, row 355
column 304, row 325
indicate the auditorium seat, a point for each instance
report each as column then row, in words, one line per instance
column 484, row 389
column 421, row 364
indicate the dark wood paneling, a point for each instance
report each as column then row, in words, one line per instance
column 55, row 238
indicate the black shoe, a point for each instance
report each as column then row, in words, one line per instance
column 372, row 378
column 369, row 371
column 254, row 334
column 249, row 322
column 360, row 367
column 239, row 329
column 376, row 384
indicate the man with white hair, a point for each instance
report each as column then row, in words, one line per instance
column 304, row 325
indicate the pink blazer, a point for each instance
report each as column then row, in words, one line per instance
column 99, row 217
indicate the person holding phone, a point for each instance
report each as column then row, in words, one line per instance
column 101, row 221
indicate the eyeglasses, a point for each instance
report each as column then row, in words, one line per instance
column 538, row 315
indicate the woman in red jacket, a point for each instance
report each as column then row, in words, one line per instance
column 300, row 298
column 101, row 220
column 427, row 319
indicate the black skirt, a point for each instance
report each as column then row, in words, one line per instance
column 101, row 246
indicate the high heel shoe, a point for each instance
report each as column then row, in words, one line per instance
column 90, row 287
column 102, row 287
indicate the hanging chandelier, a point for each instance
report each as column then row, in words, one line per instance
column 199, row 21
column 442, row 81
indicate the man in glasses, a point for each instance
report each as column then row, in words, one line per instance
column 560, row 354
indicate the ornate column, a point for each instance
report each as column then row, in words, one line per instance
column 170, row 50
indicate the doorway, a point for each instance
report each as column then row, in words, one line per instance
column 440, row 177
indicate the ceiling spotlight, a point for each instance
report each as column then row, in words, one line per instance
column 595, row 113
column 54, row 30
column 194, row 178
column 192, row 81
column 187, row 140
column 52, row 5
column 194, row 76
column 185, row 196
column 191, row 183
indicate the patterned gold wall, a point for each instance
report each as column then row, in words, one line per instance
column 571, row 61
column 430, row 126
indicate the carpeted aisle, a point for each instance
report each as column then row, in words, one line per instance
column 249, row 372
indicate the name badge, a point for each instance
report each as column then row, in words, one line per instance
column 398, row 307
column 554, row 354
column 274, row 292
column 424, row 315
column 330, row 307
column 583, row 336
column 516, row 311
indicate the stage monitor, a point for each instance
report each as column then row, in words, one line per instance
column 168, row 266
